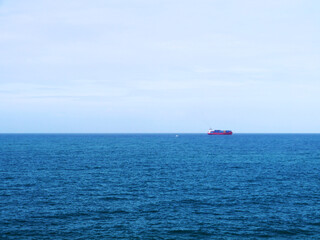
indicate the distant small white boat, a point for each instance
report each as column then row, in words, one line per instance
column 177, row 135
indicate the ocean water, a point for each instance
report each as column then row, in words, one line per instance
column 159, row 186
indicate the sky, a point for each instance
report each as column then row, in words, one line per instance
column 160, row 66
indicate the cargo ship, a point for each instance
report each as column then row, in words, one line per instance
column 219, row 132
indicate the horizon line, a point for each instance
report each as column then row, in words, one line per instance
column 155, row 133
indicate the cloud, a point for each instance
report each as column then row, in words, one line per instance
column 152, row 58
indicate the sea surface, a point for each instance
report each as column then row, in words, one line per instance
column 159, row 186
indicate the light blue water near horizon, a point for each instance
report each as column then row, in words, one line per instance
column 159, row 186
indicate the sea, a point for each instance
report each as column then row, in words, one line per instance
column 159, row 186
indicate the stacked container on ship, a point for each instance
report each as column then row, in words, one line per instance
column 219, row 132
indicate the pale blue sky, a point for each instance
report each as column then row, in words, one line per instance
column 159, row 65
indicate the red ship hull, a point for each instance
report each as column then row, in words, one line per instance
column 228, row 133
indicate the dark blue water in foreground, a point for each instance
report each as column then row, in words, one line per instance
column 159, row 186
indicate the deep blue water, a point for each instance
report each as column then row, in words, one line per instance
column 157, row 186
